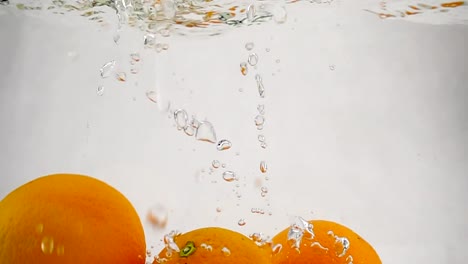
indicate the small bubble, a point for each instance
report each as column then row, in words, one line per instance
column 121, row 76
column 170, row 243
column 249, row 46
column 149, row 40
column 241, row 222
column 158, row 47
column 279, row 14
column 261, row 109
column 181, row 118
column 47, row 245
column 100, row 90
column 218, row 209
column 107, row 68
column 277, row 60
column 267, row 49
column 206, row 247
column 157, row 216
column 263, row 145
column 152, row 96
column 243, row 68
column 264, row 189
column 215, row 164
column 135, row 56
column 253, row 59
column 251, row 12
column 189, row 130
column 223, row 165
column 257, row 211
column 259, row 120
column 134, row 70
column 60, row 250
column 332, row 67
column 116, row 38
column 229, row 176
column 261, row 138
column 263, row 166
column 165, row 32
column 261, row 89
column 205, row 132
column 224, row 144
column 165, row 46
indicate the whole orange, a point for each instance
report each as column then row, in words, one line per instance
column 212, row 245
column 67, row 218
column 322, row 242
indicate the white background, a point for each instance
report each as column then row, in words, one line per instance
column 379, row 144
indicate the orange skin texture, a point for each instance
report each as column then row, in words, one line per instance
column 67, row 218
column 242, row 249
column 359, row 252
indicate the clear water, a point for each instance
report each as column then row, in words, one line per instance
column 352, row 111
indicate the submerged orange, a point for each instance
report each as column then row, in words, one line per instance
column 323, row 242
column 67, row 218
column 212, row 245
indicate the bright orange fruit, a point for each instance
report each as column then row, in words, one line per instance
column 322, row 242
column 67, row 218
column 212, row 245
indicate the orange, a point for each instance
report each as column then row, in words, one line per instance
column 212, row 245
column 67, row 218
column 331, row 243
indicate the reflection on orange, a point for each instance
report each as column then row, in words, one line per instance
column 453, row 4
column 65, row 219
column 331, row 243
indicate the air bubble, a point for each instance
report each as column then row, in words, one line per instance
column 170, row 243
column 226, row 251
column 47, row 245
column 121, row 76
column 229, row 176
column 241, row 222
column 253, row 59
column 181, row 119
column 243, row 68
column 205, row 132
column 263, row 145
column 263, row 166
column 107, row 68
column 261, row 89
column 261, row 109
column 279, row 14
column 261, row 138
column 206, row 247
column 189, row 131
column 251, row 12
column 215, row 164
column 224, row 144
column 100, row 90
column 332, row 67
column 158, row 215
column 249, row 46
column 152, row 96
column 149, row 40
column 116, row 38
column 259, row 120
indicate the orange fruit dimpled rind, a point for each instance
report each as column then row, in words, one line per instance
column 68, row 218
column 328, row 242
column 212, row 245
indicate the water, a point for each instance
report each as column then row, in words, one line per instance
column 332, row 75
